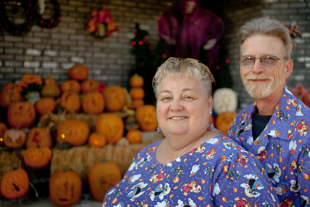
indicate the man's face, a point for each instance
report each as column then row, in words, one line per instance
column 190, row 6
column 261, row 81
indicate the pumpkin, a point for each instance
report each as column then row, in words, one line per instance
column 73, row 131
column 111, row 126
column 102, row 176
column 136, row 81
column 136, row 93
column 115, row 98
column 50, row 88
column 96, row 140
column 224, row 120
column 9, row 94
column 70, row 85
column 70, row 101
column 21, row 114
column 137, row 103
column 78, row 72
column 37, row 157
column 89, row 86
column 65, row 188
column 131, row 123
column 14, row 138
column 134, row 136
column 3, row 128
column 14, row 183
column 146, row 117
column 39, row 136
column 93, row 103
column 45, row 105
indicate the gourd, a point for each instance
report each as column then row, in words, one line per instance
column 50, row 88
column 39, row 136
column 65, row 188
column 14, row 183
column 21, row 114
column 78, row 72
column 73, row 131
column 146, row 117
column 37, row 157
column 134, row 136
column 111, row 126
column 224, row 120
column 9, row 94
column 14, row 138
column 115, row 98
column 93, row 103
column 102, row 176
column 45, row 105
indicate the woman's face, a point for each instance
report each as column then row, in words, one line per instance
column 182, row 107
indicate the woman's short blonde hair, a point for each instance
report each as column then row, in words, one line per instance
column 184, row 66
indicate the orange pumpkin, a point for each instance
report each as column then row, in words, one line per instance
column 137, row 103
column 136, row 81
column 111, row 126
column 39, row 136
column 115, row 98
column 37, row 157
column 9, row 94
column 21, row 114
column 224, row 120
column 146, row 117
column 50, row 88
column 96, row 140
column 65, row 188
column 14, row 138
column 90, row 86
column 70, row 85
column 73, row 131
column 45, row 105
column 14, row 183
column 136, row 93
column 70, row 101
column 134, row 136
column 102, row 176
column 93, row 103
column 3, row 128
column 78, row 72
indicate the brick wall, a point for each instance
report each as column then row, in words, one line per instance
column 52, row 51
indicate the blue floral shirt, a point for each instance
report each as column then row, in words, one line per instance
column 282, row 147
column 216, row 173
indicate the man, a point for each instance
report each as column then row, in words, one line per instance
column 191, row 31
column 275, row 127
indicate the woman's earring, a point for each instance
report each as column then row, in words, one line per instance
column 158, row 128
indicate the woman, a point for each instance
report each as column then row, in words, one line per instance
column 194, row 165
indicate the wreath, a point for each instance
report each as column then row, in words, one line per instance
column 29, row 14
column 54, row 21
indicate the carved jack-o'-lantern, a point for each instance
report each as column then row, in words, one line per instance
column 21, row 114
column 73, row 131
column 65, row 188
column 14, row 138
column 50, row 88
column 111, row 126
column 96, row 140
column 70, row 101
column 78, row 72
column 115, row 98
column 224, row 120
column 45, row 105
column 146, row 117
column 9, row 94
column 102, row 176
column 93, row 103
column 37, row 157
column 70, row 85
column 89, row 86
column 3, row 128
column 14, row 183
column 39, row 136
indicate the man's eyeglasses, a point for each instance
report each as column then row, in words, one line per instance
column 267, row 61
